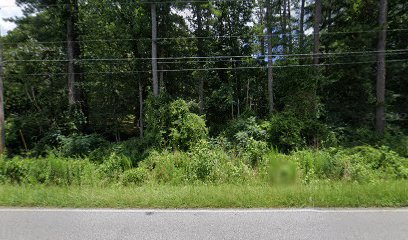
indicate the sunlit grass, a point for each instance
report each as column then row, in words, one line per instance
column 382, row 194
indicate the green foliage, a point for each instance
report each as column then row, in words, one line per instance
column 173, row 124
column 285, row 132
column 208, row 162
column 278, row 168
column 203, row 163
column 362, row 164
column 113, row 167
column 136, row 149
column 134, row 176
column 167, row 167
column 186, row 128
column 288, row 132
column 245, row 128
column 52, row 170
column 80, row 145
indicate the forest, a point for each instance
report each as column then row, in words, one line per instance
column 180, row 92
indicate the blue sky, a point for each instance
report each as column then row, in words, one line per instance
column 8, row 9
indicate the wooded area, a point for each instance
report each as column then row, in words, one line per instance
column 108, row 92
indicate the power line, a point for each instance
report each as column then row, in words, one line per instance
column 210, row 57
column 211, row 69
column 227, row 60
column 125, row 3
column 208, row 37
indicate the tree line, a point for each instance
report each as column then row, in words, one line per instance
column 84, row 67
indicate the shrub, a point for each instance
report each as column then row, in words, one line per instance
column 285, row 132
column 134, row 176
column 136, row 149
column 245, row 128
column 213, row 164
column 167, row 167
column 80, row 145
column 361, row 164
column 113, row 166
column 173, row 124
column 251, row 150
column 278, row 168
column 186, row 131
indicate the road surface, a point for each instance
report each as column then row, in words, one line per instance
column 315, row 224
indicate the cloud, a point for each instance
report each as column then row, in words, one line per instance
column 8, row 9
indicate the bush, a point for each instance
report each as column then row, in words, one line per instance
column 186, row 128
column 203, row 163
column 80, row 145
column 278, row 168
column 134, row 176
column 167, row 167
column 245, row 128
column 173, row 124
column 136, row 149
column 361, row 164
column 285, row 132
column 288, row 133
column 113, row 167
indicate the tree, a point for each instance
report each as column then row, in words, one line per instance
column 154, row 50
column 301, row 24
column 2, row 118
column 316, row 31
column 381, row 71
column 270, row 58
column 73, row 53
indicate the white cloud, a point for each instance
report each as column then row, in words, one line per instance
column 8, row 9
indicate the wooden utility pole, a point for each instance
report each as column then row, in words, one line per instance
column 2, row 118
column 381, row 70
column 270, row 58
column 154, row 51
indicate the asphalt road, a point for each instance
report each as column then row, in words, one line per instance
column 42, row 224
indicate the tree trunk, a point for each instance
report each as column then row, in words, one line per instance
column 262, row 23
column 71, row 42
column 284, row 25
column 381, row 70
column 270, row 59
column 301, row 25
column 201, row 51
column 141, row 109
column 2, row 117
column 316, row 31
column 289, row 27
column 154, row 51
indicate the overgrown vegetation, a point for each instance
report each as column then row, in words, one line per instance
column 215, row 117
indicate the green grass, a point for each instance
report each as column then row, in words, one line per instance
column 383, row 194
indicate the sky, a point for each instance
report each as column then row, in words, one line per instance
column 8, row 9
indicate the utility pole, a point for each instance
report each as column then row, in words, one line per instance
column 2, row 118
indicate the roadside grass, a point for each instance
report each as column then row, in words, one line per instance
column 319, row 195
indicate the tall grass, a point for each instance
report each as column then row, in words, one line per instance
column 338, row 194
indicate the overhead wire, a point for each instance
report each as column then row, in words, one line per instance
column 206, row 37
column 209, row 57
column 207, row 69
